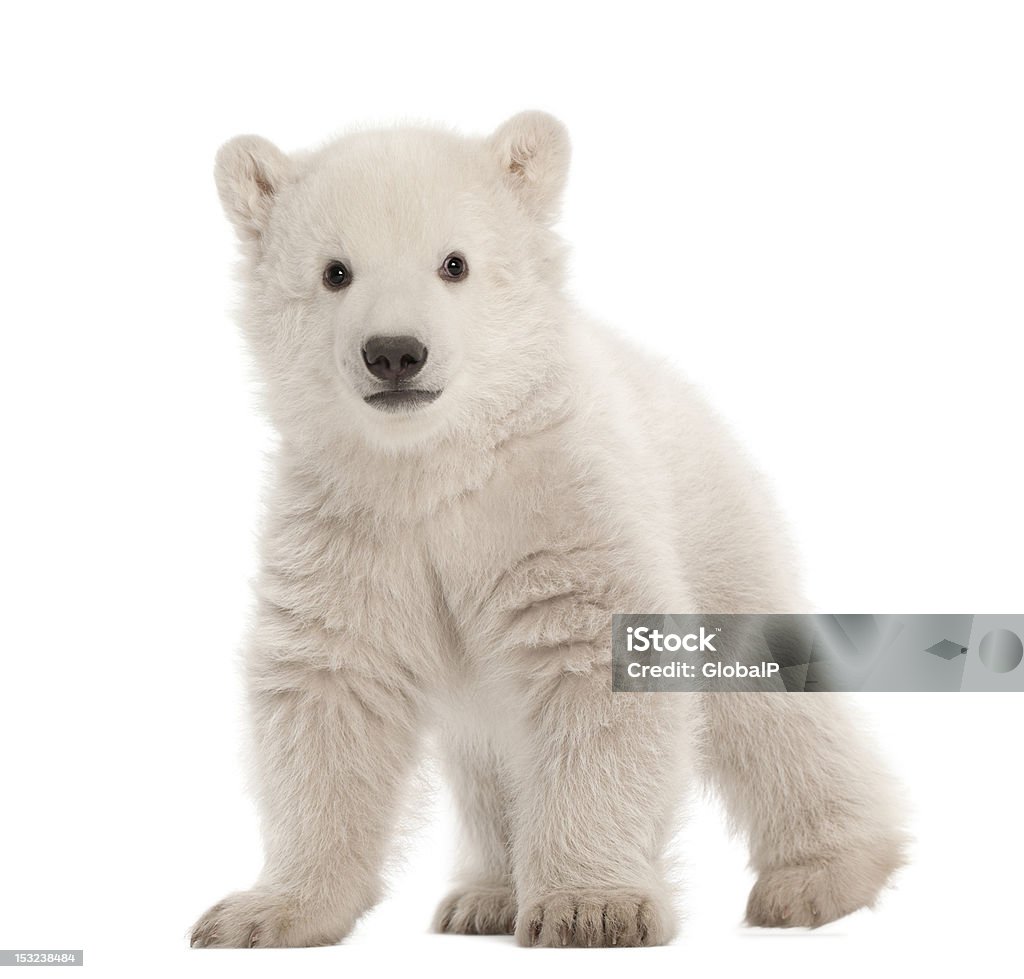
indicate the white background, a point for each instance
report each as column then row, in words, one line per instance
column 815, row 209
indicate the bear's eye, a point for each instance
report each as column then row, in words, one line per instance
column 454, row 268
column 336, row 276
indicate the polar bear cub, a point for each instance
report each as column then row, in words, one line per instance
column 471, row 477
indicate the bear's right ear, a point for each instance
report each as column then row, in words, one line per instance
column 250, row 171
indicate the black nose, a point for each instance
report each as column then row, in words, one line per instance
column 394, row 358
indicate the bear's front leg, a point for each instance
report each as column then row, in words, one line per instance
column 596, row 776
column 600, row 777
column 331, row 747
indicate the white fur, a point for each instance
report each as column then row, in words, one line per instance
column 454, row 567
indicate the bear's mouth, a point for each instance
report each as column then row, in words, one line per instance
column 401, row 399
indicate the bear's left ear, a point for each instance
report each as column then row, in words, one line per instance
column 532, row 149
column 250, row 172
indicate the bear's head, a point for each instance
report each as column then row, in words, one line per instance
column 402, row 286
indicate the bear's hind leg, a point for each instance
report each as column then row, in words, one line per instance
column 820, row 812
column 482, row 902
